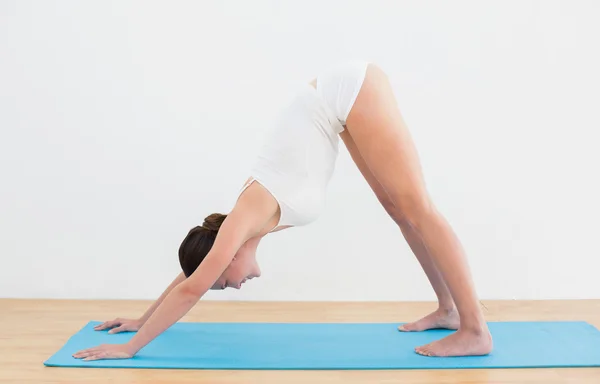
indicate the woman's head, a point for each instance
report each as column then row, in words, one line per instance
column 199, row 242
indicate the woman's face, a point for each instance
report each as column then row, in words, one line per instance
column 242, row 268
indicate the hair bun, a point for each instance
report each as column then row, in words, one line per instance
column 213, row 222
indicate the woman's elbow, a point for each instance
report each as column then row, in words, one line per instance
column 190, row 291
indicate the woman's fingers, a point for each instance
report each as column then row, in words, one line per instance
column 126, row 326
column 101, row 327
column 85, row 352
column 105, row 325
column 95, row 356
column 120, row 328
column 90, row 353
column 105, row 351
column 109, row 324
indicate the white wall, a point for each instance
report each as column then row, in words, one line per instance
column 122, row 124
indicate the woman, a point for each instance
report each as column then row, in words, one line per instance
column 353, row 102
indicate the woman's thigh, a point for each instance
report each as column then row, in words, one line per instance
column 376, row 187
column 384, row 143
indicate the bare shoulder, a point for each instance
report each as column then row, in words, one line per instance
column 252, row 213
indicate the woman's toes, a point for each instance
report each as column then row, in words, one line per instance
column 423, row 350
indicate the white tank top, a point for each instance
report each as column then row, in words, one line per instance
column 297, row 159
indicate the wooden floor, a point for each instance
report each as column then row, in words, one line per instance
column 32, row 330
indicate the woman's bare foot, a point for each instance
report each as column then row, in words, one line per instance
column 460, row 343
column 442, row 318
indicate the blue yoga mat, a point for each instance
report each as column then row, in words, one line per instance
column 337, row 346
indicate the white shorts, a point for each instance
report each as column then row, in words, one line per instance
column 339, row 85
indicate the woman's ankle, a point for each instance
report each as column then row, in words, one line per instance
column 446, row 306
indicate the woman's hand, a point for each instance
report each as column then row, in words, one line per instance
column 105, row 351
column 120, row 325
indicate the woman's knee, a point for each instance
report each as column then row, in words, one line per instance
column 413, row 211
column 391, row 210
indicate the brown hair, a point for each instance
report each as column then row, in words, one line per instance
column 198, row 243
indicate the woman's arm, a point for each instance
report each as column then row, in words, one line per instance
column 252, row 212
column 181, row 298
column 184, row 296
column 121, row 325
column 246, row 221
column 179, row 279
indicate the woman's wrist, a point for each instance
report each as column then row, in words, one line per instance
column 130, row 348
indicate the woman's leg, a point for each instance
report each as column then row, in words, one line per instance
column 381, row 136
column 445, row 316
